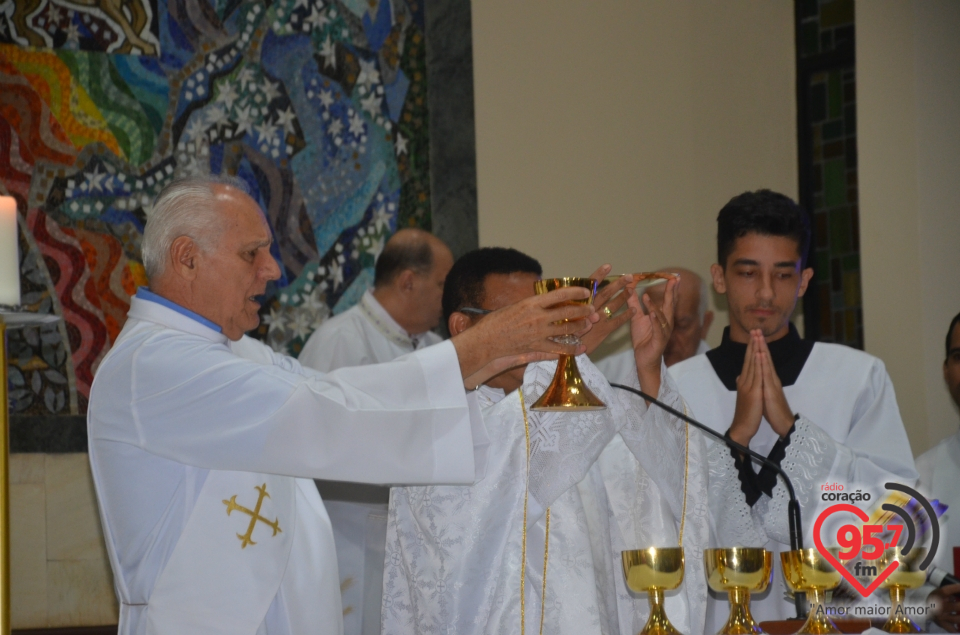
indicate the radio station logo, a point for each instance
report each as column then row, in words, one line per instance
column 863, row 545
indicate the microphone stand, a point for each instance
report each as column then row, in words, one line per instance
column 793, row 507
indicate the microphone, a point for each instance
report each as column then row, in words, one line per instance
column 793, row 507
column 940, row 578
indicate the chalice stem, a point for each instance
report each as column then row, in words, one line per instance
column 657, row 623
column 740, row 621
column 898, row 621
column 817, row 622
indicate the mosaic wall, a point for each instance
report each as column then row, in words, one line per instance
column 827, row 26
column 319, row 106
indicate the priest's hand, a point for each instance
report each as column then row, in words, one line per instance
column 775, row 407
column 608, row 301
column 749, row 410
column 947, row 601
column 523, row 328
column 650, row 333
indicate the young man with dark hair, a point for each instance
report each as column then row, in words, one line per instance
column 939, row 469
column 537, row 541
column 826, row 413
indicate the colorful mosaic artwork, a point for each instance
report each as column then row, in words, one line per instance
column 318, row 106
column 828, row 26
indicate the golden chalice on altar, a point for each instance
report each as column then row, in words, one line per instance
column 738, row 571
column 907, row 575
column 653, row 571
column 567, row 391
column 807, row 571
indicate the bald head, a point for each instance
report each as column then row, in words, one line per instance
column 412, row 249
column 408, row 279
column 692, row 319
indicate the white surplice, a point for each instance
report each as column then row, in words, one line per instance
column 363, row 334
column 849, row 431
column 939, row 469
column 620, row 367
column 195, row 444
column 612, row 480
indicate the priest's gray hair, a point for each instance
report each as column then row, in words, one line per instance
column 184, row 207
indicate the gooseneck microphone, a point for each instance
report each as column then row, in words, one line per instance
column 940, row 578
column 793, row 507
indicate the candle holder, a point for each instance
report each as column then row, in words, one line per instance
column 11, row 317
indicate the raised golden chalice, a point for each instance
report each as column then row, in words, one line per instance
column 654, row 570
column 906, row 576
column 738, row 571
column 567, row 391
column 807, row 571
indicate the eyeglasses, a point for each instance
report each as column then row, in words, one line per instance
column 473, row 311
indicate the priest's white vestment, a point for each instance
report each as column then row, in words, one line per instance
column 939, row 469
column 848, row 431
column 363, row 334
column 195, row 444
column 612, row 480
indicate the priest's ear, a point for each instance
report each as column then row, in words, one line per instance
column 183, row 257
column 458, row 323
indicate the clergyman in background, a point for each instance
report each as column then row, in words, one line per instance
column 394, row 318
column 692, row 320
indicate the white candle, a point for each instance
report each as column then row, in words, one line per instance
column 9, row 252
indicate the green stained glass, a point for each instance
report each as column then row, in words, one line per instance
column 835, row 93
column 840, row 241
column 822, row 267
column 835, row 183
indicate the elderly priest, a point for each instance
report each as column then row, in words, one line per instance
column 198, row 434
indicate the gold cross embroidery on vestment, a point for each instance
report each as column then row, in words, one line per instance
column 247, row 538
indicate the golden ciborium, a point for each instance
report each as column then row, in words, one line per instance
column 807, row 571
column 567, row 391
column 738, row 571
column 654, row 570
column 907, row 575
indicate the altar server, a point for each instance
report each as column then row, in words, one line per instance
column 826, row 413
column 939, row 470
column 537, row 542
column 392, row 319
column 196, row 432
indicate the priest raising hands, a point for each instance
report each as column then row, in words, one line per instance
column 536, row 543
column 202, row 440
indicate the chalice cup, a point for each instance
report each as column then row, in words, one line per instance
column 807, row 571
column 907, row 575
column 738, row 571
column 654, row 570
column 567, row 391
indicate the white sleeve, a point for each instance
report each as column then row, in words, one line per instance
column 405, row 421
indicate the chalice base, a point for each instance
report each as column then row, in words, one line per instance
column 567, row 391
